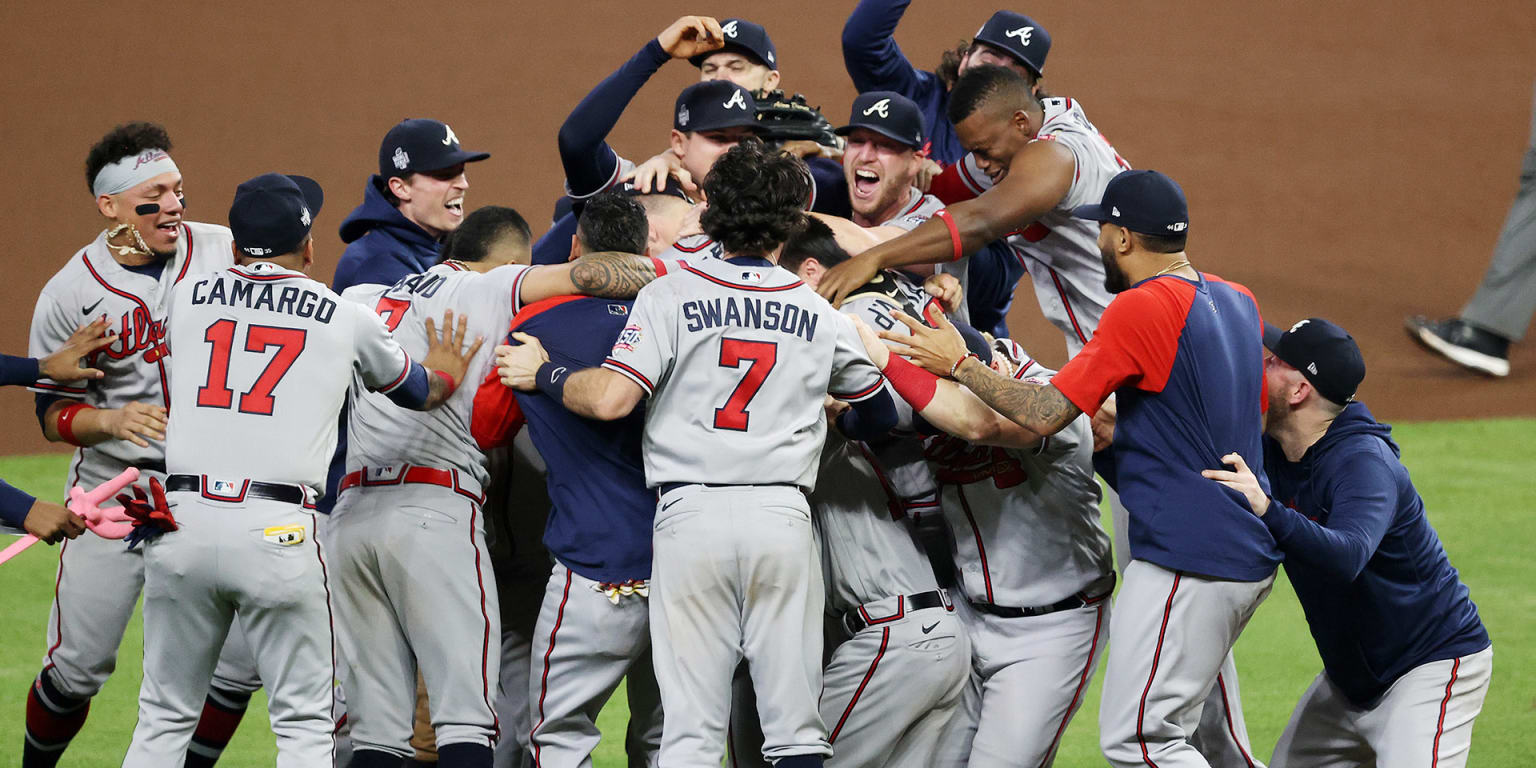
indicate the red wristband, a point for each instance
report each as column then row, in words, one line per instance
column 452, row 383
column 65, row 422
column 954, row 233
column 915, row 385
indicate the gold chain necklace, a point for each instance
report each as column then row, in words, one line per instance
column 1174, row 267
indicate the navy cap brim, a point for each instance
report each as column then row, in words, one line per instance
column 748, row 120
column 883, row 131
column 698, row 61
column 1272, row 334
column 456, row 157
column 314, row 196
column 1092, row 212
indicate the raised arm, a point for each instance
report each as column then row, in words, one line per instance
column 870, row 53
column 1038, row 178
column 590, row 165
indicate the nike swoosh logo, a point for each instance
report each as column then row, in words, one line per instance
column 930, row 627
column 87, row 310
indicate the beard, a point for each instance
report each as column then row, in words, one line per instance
column 1115, row 280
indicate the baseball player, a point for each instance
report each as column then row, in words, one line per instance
column 265, row 358
column 1406, row 659
column 1031, row 557
column 117, row 421
column 45, row 520
column 1180, row 350
column 593, row 630
column 412, row 497
column 895, row 680
column 753, row 350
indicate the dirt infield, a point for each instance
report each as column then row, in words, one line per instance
column 1343, row 160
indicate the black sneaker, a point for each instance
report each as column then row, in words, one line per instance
column 1466, row 345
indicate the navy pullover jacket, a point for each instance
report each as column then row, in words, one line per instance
column 1380, row 595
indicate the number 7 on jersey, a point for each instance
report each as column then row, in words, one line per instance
column 733, row 352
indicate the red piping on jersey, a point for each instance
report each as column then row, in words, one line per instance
column 330, row 623
column 261, row 278
column 892, row 499
column 885, row 639
column 398, row 379
column 861, row 394
column 485, row 643
column 1226, row 710
column 186, row 230
column 965, row 175
column 1141, row 710
column 455, row 267
column 916, row 204
column 165, row 391
column 544, row 680
column 707, row 243
column 527, row 313
column 1066, row 304
column 642, row 380
column 986, row 573
column 1440, row 725
column 517, row 290
column 729, row 284
column 59, row 388
column 1082, row 682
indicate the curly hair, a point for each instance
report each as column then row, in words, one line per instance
column 125, row 140
column 757, row 199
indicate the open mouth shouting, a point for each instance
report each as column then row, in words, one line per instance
column 866, row 182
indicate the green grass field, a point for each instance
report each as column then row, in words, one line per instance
column 1478, row 479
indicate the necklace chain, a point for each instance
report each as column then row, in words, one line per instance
column 1174, row 267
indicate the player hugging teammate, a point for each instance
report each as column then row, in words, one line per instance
column 804, row 497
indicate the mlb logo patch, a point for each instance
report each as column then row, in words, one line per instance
column 628, row 338
column 223, row 487
column 618, row 309
column 752, row 276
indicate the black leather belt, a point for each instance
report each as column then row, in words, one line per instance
column 151, row 466
column 249, row 489
column 1096, row 590
column 855, row 622
column 666, row 488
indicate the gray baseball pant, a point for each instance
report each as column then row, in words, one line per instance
column 1506, row 299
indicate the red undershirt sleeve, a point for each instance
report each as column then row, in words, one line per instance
column 1135, row 345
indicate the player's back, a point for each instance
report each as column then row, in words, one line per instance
column 382, row 434
column 263, row 357
column 753, row 351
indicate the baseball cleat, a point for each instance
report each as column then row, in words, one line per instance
column 1461, row 343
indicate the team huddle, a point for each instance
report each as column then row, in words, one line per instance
column 744, row 430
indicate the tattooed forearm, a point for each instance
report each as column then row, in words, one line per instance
column 1040, row 408
column 437, row 391
column 611, row 274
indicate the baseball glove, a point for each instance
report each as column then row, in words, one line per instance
column 789, row 118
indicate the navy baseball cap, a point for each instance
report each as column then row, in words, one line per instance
column 714, row 104
column 1325, row 354
column 742, row 36
column 889, row 114
column 1020, row 36
column 668, row 188
column 273, row 213
column 420, row 145
column 1141, row 201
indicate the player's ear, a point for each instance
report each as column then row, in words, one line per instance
column 1021, row 121
column 679, row 142
column 771, row 81
column 309, row 253
column 107, row 204
column 399, row 188
column 575, row 248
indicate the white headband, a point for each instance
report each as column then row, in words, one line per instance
column 131, row 171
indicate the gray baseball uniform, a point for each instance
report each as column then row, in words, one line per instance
column 411, row 503
column 99, row 580
column 1035, row 567
column 264, row 359
column 737, row 357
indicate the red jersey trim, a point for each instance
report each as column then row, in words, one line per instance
column 729, row 284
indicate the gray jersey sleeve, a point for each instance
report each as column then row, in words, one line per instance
column 380, row 362
column 854, row 377
column 52, row 324
column 647, row 347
